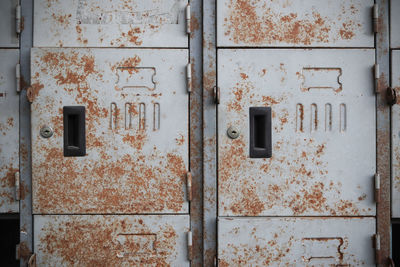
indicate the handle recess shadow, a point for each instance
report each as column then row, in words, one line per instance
column 260, row 132
column 74, row 131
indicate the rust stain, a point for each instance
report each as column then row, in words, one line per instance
column 33, row 91
column 194, row 25
column 245, row 24
column 74, row 241
column 133, row 36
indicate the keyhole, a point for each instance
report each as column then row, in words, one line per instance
column 232, row 133
column 46, row 132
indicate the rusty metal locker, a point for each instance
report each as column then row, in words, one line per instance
column 200, row 133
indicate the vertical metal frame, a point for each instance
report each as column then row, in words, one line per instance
column 26, row 226
column 209, row 133
column 195, row 131
column 383, row 132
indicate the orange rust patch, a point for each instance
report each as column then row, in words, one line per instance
column 74, row 241
column 245, row 24
column 133, row 36
column 244, row 76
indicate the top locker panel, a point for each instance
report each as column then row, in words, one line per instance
column 290, row 23
column 110, row 23
column 394, row 24
column 9, row 37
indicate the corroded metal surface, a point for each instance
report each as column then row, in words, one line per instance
column 9, row 37
column 196, row 142
column 209, row 134
column 110, row 23
column 296, row 242
column 295, row 23
column 111, row 240
column 25, row 221
column 395, row 82
column 323, row 119
column 136, row 131
column 9, row 131
column 383, row 132
column 395, row 24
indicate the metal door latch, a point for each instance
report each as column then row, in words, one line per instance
column 391, row 96
column 216, row 95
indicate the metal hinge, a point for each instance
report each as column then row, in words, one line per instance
column 375, row 18
column 377, row 188
column 190, row 245
column 377, row 246
column 188, row 15
column 376, row 77
column 18, row 77
column 18, row 28
column 189, row 185
column 17, row 187
column 217, row 94
column 189, row 77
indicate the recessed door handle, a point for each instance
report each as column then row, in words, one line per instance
column 260, row 132
column 74, row 131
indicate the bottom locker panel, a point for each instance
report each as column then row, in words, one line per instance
column 111, row 240
column 296, row 241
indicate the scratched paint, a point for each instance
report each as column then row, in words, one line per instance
column 295, row 241
column 136, row 138
column 81, row 23
column 316, row 168
column 111, row 240
column 295, row 23
column 9, row 131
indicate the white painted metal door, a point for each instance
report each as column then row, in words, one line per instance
column 136, row 131
column 394, row 24
column 8, row 30
column 296, row 242
column 289, row 23
column 323, row 132
column 82, row 23
column 111, row 240
column 9, row 131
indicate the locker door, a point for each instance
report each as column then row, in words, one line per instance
column 394, row 24
column 8, row 12
column 9, row 132
column 289, row 23
column 117, row 23
column 109, row 131
column 322, row 126
column 111, row 240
